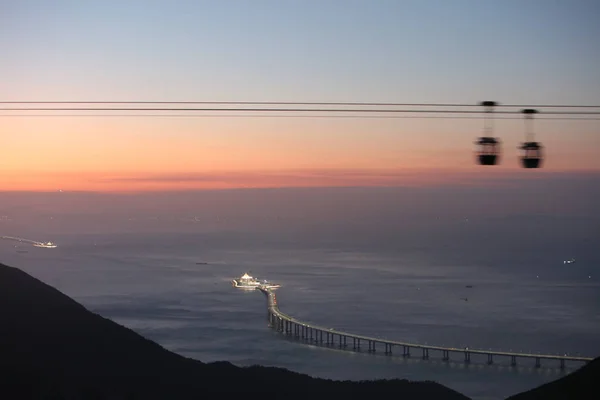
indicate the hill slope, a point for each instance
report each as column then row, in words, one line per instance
column 52, row 347
column 582, row 384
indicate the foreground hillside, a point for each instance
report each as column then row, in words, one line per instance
column 583, row 384
column 51, row 347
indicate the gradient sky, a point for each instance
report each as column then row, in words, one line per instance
column 514, row 52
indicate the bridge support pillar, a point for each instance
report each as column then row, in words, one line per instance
column 467, row 357
column 425, row 353
column 406, row 351
column 538, row 363
column 490, row 359
column 388, row 348
column 345, row 344
column 562, row 364
column 513, row 361
column 445, row 355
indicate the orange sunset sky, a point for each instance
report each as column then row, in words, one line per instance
column 137, row 153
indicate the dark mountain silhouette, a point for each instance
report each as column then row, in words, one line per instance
column 582, row 384
column 52, row 347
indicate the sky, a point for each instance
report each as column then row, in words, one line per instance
column 461, row 51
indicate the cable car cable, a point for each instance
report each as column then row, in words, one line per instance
column 323, row 110
column 359, row 103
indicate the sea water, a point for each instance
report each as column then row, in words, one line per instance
column 406, row 290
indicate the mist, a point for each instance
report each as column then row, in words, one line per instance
column 536, row 214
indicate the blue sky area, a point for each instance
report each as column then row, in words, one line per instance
column 535, row 51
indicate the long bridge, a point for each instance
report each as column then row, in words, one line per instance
column 315, row 334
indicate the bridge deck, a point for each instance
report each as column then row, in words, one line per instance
column 274, row 308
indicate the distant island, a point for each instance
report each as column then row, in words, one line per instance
column 52, row 347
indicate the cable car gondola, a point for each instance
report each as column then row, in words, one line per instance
column 532, row 151
column 488, row 147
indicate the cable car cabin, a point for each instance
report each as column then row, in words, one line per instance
column 532, row 155
column 488, row 151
